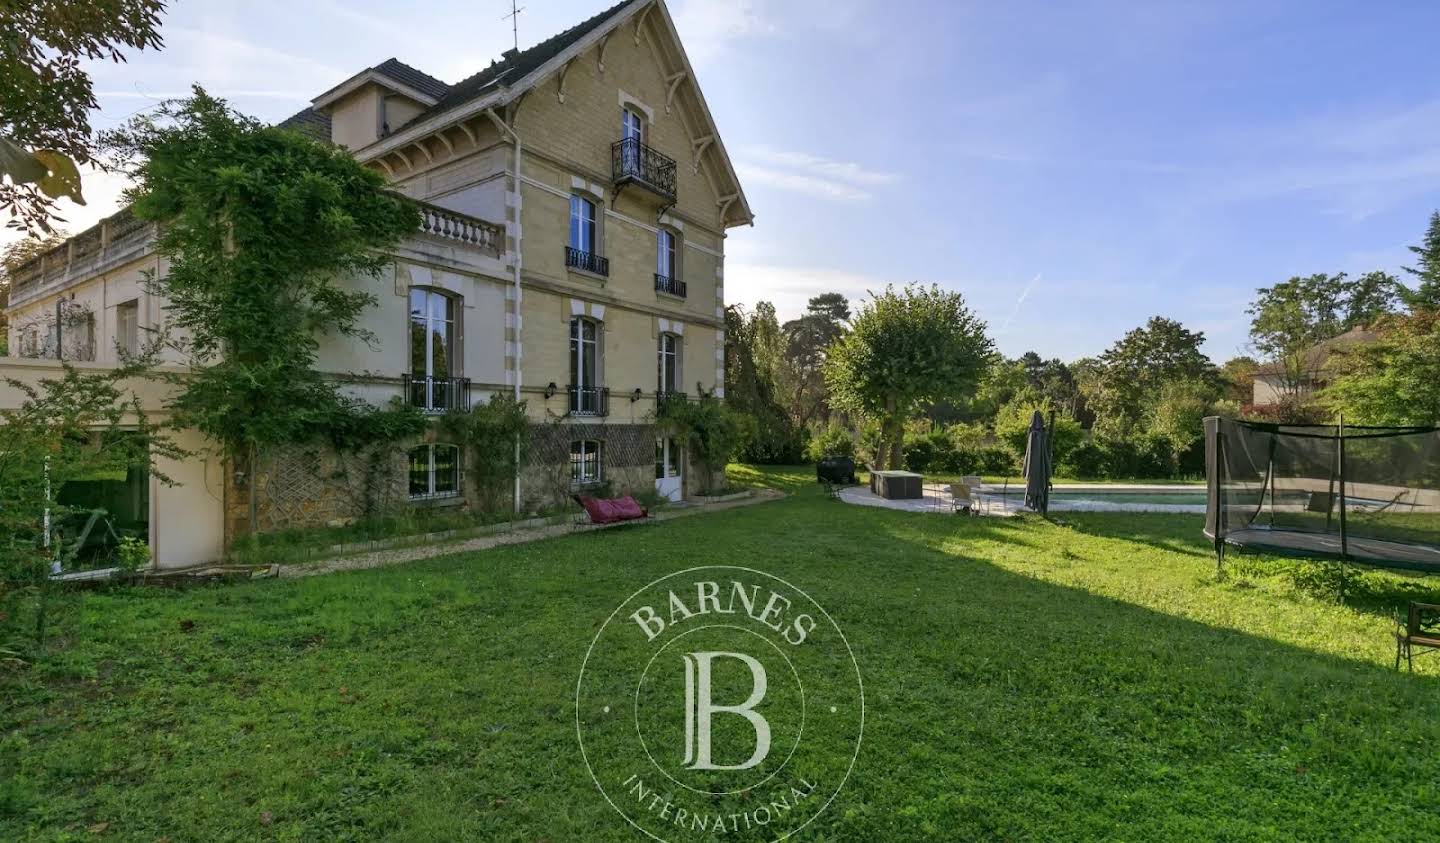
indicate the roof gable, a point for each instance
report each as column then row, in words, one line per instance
column 519, row 72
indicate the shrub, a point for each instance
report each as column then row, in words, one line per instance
column 1086, row 461
column 833, row 440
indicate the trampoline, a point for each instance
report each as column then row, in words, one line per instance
column 1369, row 495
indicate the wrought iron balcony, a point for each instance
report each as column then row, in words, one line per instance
column 633, row 161
column 587, row 261
column 437, row 395
column 589, row 400
column 665, row 396
column 669, row 286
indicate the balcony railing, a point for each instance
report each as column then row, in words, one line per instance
column 669, row 286
column 437, row 395
column 587, row 261
column 633, row 161
column 589, row 400
column 453, row 225
column 117, row 235
column 665, row 396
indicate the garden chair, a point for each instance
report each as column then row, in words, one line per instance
column 963, row 498
column 1420, row 627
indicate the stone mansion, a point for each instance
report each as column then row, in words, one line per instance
column 575, row 200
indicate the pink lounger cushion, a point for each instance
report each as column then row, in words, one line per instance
column 611, row 510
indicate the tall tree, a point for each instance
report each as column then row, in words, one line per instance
column 906, row 348
column 1289, row 319
column 1135, row 370
column 807, row 341
column 1395, row 380
column 1426, row 294
column 1238, row 377
column 750, row 385
column 46, row 94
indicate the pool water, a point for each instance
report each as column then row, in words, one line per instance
column 1146, row 498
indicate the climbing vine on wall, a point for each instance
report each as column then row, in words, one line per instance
column 488, row 435
column 711, row 430
column 260, row 226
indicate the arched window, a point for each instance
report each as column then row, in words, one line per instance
column 432, row 349
column 434, row 472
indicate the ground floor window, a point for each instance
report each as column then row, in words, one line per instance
column 434, row 472
column 585, row 461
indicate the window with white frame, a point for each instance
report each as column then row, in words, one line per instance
column 434, row 472
column 632, row 125
column 127, row 327
column 668, row 377
column 585, row 463
column 666, row 256
column 582, row 224
column 432, row 348
column 585, row 371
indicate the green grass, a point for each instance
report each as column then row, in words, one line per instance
column 1025, row 680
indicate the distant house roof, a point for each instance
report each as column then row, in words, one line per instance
column 1318, row 355
column 308, row 122
column 514, row 66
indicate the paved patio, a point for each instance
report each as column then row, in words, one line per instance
column 938, row 499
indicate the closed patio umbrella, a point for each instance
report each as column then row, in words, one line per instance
column 1037, row 466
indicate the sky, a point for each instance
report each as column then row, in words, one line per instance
column 1072, row 167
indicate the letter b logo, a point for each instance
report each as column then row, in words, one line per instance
column 700, row 708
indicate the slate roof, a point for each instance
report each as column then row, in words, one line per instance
column 514, row 66
column 308, row 122
column 412, row 77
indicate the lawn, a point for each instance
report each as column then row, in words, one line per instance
column 1024, row 680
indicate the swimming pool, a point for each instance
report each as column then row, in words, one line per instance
column 1186, row 499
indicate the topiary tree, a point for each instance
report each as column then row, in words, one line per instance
column 907, row 348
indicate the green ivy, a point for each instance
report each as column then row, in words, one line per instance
column 710, row 429
column 261, row 226
column 489, row 434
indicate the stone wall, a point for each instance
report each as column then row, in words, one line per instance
column 627, row 460
column 310, row 485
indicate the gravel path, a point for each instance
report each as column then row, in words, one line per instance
column 410, row 554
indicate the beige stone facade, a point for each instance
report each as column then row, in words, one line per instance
column 609, row 113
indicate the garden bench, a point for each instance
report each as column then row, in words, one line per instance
column 1419, row 628
column 602, row 511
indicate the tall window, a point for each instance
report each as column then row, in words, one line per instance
column 582, row 224
column 632, row 125
column 585, row 461
column 434, row 472
column 665, row 265
column 669, row 369
column 584, row 365
column 432, row 348
column 127, row 327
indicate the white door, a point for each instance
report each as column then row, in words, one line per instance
column 668, row 478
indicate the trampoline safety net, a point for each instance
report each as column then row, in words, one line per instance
column 1367, row 494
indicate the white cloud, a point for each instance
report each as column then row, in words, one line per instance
column 813, row 175
column 707, row 27
column 789, row 288
column 820, row 188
